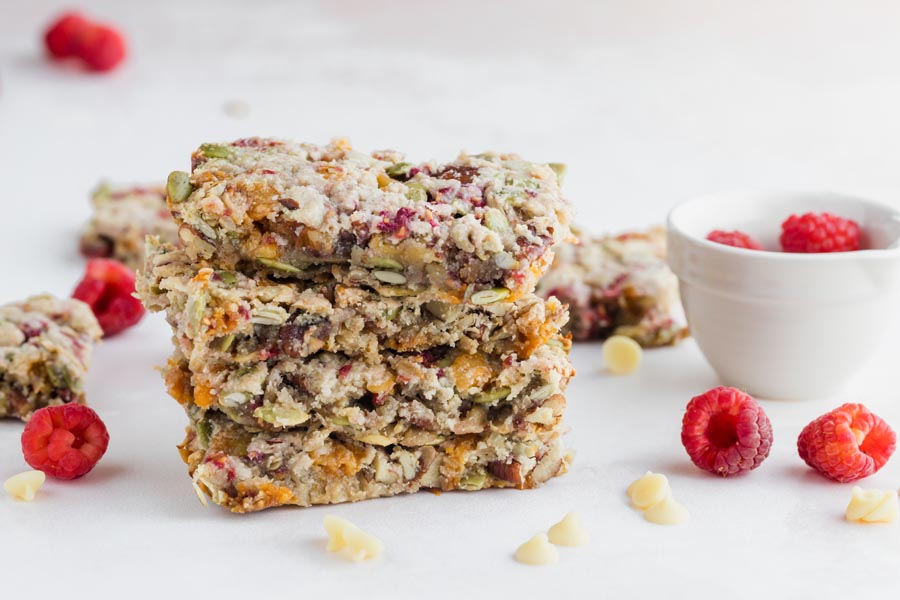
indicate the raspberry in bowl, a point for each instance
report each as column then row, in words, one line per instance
column 793, row 322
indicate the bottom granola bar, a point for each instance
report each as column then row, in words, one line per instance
column 245, row 470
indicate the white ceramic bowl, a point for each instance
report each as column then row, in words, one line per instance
column 782, row 325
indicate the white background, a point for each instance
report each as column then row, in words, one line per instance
column 648, row 102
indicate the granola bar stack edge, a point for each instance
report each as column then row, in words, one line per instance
column 349, row 326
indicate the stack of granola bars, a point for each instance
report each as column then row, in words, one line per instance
column 349, row 326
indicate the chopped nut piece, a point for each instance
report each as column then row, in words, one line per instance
column 621, row 354
column 538, row 551
column 350, row 541
column 569, row 532
column 25, row 485
column 873, row 506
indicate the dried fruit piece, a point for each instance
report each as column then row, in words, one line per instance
column 25, row 485
column 737, row 239
column 726, row 432
column 847, row 444
column 621, row 354
column 819, row 232
column 108, row 288
column 64, row 441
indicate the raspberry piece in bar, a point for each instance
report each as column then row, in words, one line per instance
column 737, row 239
column 64, row 441
column 107, row 288
column 847, row 444
column 726, row 432
column 62, row 38
column 819, row 232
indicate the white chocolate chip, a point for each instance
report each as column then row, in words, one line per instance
column 350, row 541
column 667, row 512
column 569, row 532
column 361, row 545
column 538, row 551
column 25, row 485
column 873, row 506
column 311, row 211
column 543, row 415
column 621, row 354
column 652, row 495
column 650, row 489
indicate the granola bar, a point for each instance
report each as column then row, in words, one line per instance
column 617, row 285
column 246, row 470
column 401, row 398
column 45, row 351
column 225, row 316
column 123, row 217
column 481, row 228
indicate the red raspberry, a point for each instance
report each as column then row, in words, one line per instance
column 62, row 38
column 847, row 444
column 726, row 432
column 823, row 232
column 64, row 441
column 738, row 239
column 107, row 288
column 102, row 48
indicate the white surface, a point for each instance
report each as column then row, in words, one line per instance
column 758, row 316
column 648, row 102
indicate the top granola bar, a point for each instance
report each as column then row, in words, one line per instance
column 479, row 229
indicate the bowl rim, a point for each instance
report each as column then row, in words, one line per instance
column 672, row 226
